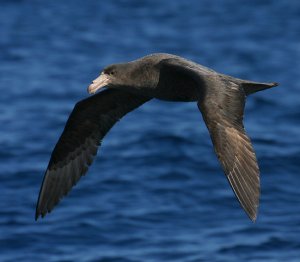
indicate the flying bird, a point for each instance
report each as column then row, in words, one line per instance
column 220, row 99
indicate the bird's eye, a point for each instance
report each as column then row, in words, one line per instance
column 110, row 71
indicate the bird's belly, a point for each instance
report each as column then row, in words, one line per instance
column 175, row 87
column 177, row 93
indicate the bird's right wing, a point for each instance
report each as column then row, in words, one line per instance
column 88, row 123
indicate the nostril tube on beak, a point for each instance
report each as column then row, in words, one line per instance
column 98, row 83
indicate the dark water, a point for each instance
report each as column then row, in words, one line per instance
column 156, row 191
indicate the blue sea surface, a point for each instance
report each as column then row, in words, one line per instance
column 156, row 191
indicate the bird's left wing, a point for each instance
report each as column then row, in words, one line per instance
column 88, row 123
column 223, row 115
column 221, row 102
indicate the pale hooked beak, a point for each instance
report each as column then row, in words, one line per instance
column 99, row 82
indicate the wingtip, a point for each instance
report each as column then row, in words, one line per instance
column 40, row 213
column 252, row 215
column 275, row 84
column 253, row 218
column 36, row 217
column 37, row 214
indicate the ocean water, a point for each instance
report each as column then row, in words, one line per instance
column 156, row 191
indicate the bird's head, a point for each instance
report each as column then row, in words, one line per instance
column 108, row 77
column 137, row 75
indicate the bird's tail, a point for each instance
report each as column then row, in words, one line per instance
column 253, row 87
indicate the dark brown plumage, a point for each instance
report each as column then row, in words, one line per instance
column 88, row 123
column 221, row 100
